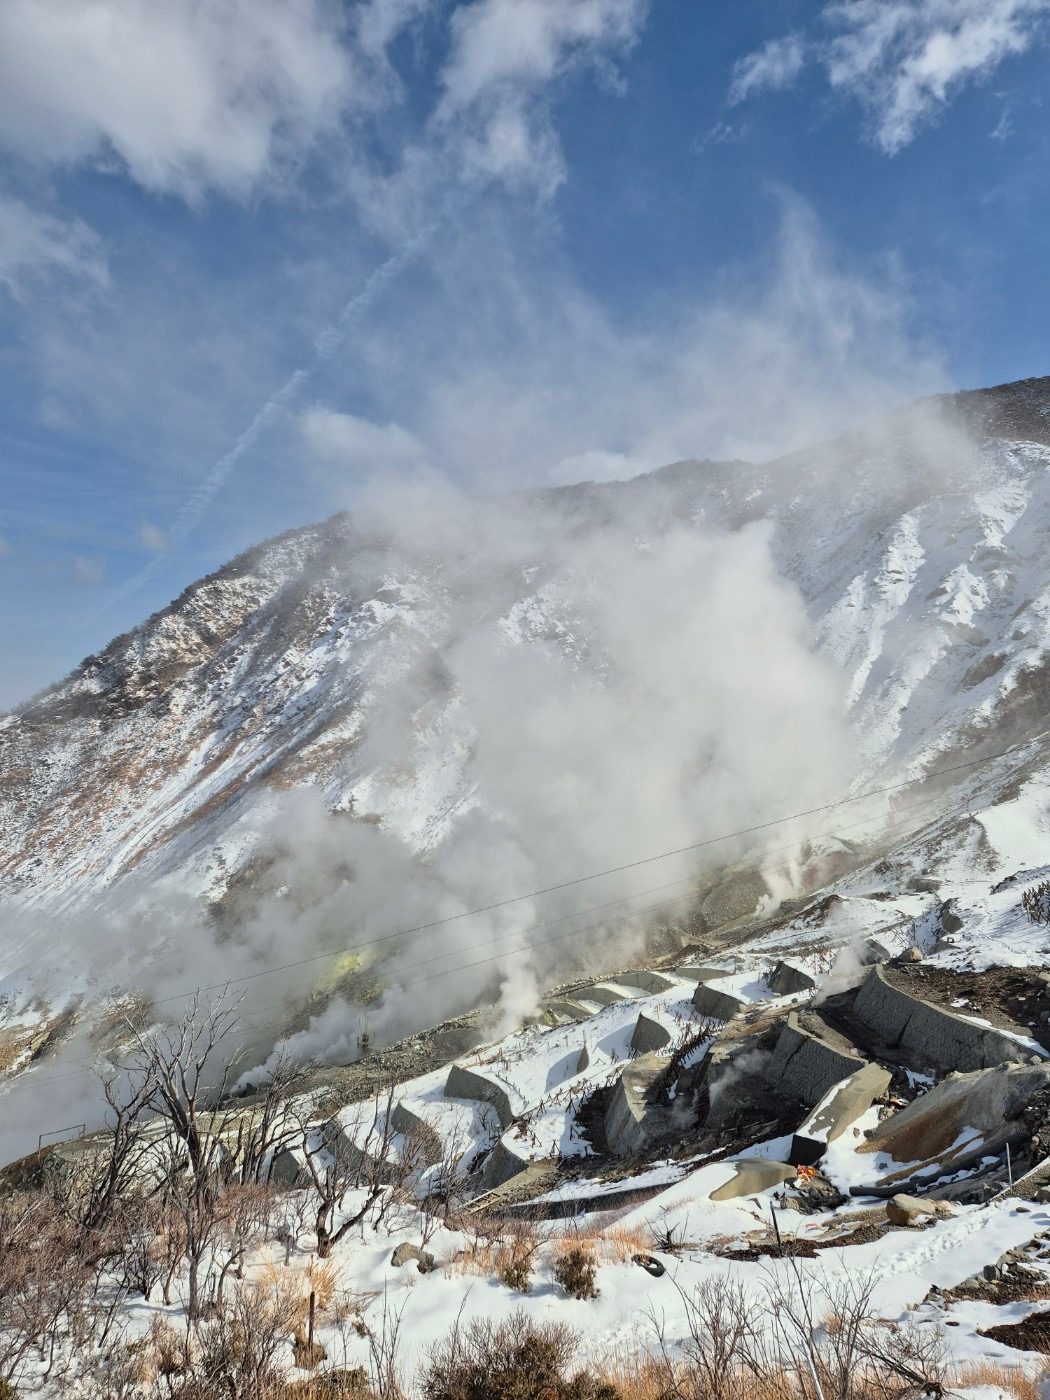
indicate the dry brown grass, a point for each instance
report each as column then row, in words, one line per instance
column 507, row 1256
column 640, row 1377
column 320, row 1280
column 286, row 1287
column 478, row 1256
column 619, row 1243
column 1011, row 1380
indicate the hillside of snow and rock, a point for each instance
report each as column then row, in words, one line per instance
column 823, row 1081
column 920, row 557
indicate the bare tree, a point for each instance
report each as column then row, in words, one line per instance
column 188, row 1076
column 115, row 1169
column 365, row 1167
column 269, row 1126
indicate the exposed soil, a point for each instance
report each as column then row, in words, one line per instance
column 1033, row 1334
column 864, row 1231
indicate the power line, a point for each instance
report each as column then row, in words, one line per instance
column 584, row 879
column 509, row 952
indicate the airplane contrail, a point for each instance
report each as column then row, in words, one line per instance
column 326, row 343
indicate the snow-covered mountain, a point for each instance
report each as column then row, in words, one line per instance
column 919, row 545
column 846, row 1095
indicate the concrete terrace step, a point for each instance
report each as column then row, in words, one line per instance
column 716, row 1003
column 473, row 1083
column 632, row 1121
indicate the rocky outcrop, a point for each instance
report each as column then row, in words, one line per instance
column 910, row 1210
column 963, row 1119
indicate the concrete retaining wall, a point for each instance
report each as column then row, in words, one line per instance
column 339, row 1138
column 503, row 1163
column 802, row 1066
column 465, row 1083
column 631, row 1122
column 696, row 972
column 645, row 981
column 649, row 1035
column 786, row 979
column 719, row 1005
column 930, row 1036
column 289, row 1168
column 566, row 1010
column 751, row 1176
column 604, row 996
column 419, row 1131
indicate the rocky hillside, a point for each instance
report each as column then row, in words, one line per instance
column 919, row 545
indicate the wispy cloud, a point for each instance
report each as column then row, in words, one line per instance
column 359, row 444
column 504, row 55
column 548, row 386
column 35, row 246
column 770, row 68
column 902, row 60
column 88, row 570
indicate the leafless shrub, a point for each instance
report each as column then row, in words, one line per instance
column 723, row 1338
column 1035, row 902
column 513, row 1360
column 239, row 1344
column 371, row 1168
column 269, row 1126
column 384, row 1345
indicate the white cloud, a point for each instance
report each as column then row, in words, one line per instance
column 184, row 96
column 35, row 245
column 902, row 60
column 770, row 68
column 358, row 444
column 152, row 538
column 504, row 55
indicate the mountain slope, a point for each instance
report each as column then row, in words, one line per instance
column 918, row 545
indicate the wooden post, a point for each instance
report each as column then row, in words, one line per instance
column 776, row 1227
column 310, row 1331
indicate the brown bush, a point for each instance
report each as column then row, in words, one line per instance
column 575, row 1270
column 331, row 1385
column 513, row 1360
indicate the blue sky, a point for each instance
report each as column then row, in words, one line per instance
column 254, row 253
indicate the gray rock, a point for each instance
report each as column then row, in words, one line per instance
column 910, row 1210
column 406, row 1252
